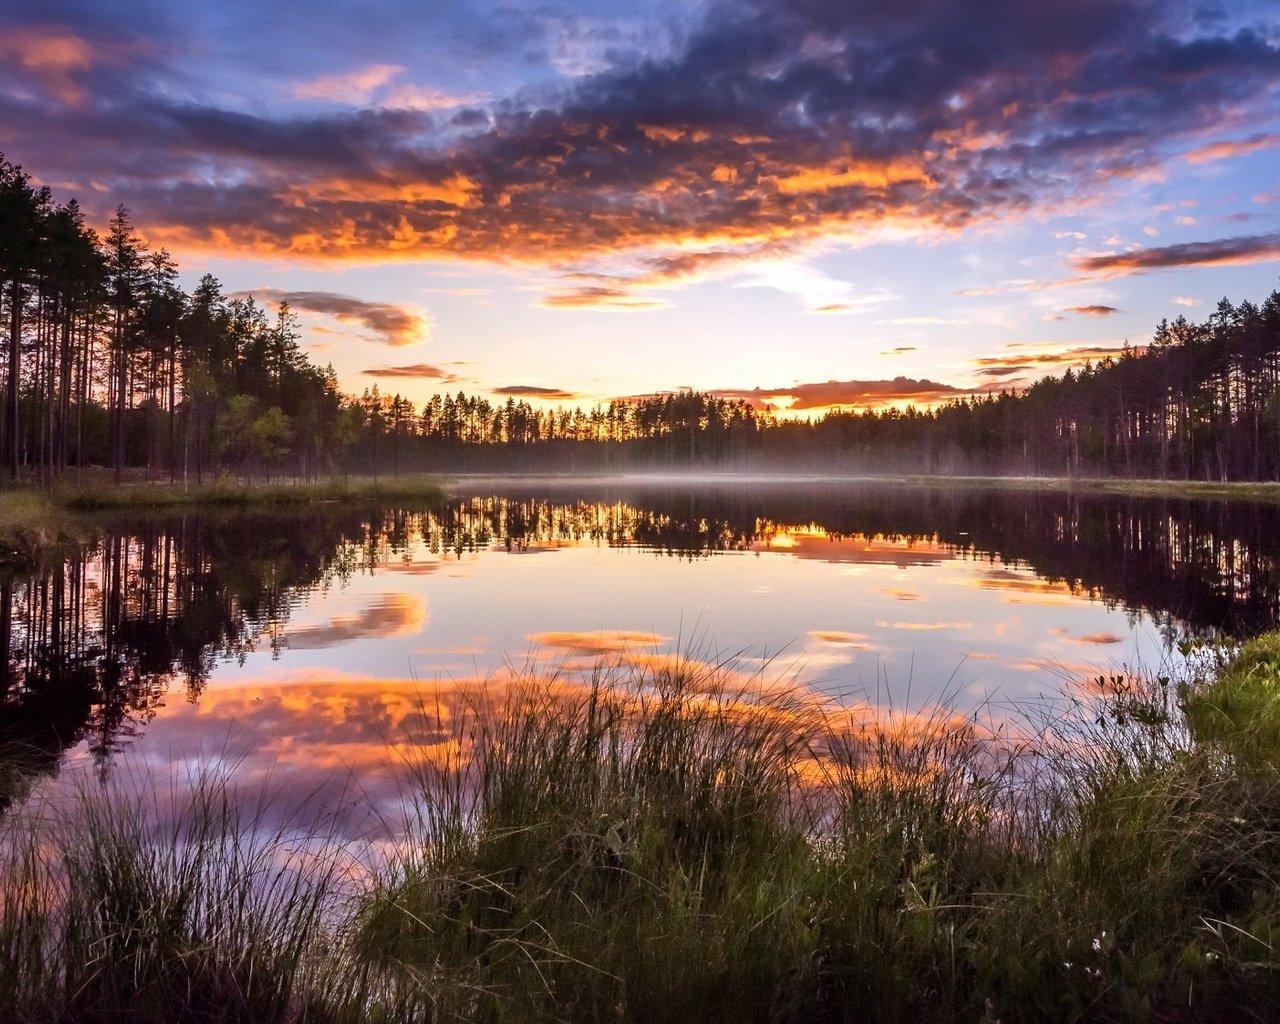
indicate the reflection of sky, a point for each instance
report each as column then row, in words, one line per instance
column 370, row 673
column 848, row 616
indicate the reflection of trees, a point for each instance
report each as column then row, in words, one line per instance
column 89, row 648
column 523, row 523
column 1211, row 566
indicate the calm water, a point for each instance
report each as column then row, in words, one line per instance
column 305, row 650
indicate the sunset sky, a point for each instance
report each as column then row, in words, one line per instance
column 830, row 201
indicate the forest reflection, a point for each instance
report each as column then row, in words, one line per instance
column 91, row 647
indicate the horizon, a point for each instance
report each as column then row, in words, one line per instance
column 792, row 204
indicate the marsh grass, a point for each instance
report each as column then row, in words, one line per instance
column 124, row 904
column 615, row 851
column 233, row 493
column 680, row 842
column 674, row 849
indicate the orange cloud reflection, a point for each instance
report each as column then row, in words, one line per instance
column 814, row 542
column 346, row 750
column 1024, row 589
column 602, row 642
column 925, row 627
column 391, row 615
column 854, row 641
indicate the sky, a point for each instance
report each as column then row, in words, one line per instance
column 809, row 203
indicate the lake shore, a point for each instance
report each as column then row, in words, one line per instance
column 37, row 522
column 1194, row 489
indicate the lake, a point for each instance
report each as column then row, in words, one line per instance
column 314, row 653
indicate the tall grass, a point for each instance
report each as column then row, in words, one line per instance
column 619, row 852
column 674, row 849
column 679, row 843
column 120, row 904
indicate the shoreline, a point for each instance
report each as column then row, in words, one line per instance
column 36, row 521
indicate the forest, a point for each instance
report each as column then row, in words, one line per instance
column 108, row 362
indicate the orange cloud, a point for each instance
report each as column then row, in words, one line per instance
column 391, row 323
column 1027, row 359
column 531, row 391
column 867, row 394
column 52, row 55
column 417, row 371
column 1231, row 148
column 859, row 173
column 600, row 297
column 696, row 149
column 1092, row 310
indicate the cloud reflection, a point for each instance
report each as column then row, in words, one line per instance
column 601, row 642
column 390, row 615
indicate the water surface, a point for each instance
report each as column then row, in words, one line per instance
column 306, row 649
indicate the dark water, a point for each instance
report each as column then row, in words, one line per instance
column 301, row 647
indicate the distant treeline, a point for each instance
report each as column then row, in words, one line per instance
column 1201, row 402
column 109, row 362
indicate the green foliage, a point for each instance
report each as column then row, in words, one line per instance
column 1238, row 712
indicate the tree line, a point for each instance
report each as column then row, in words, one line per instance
column 1202, row 402
column 107, row 361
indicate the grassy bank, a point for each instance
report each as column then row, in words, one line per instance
column 667, row 845
column 1196, row 489
column 145, row 496
column 34, row 526
column 37, row 522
